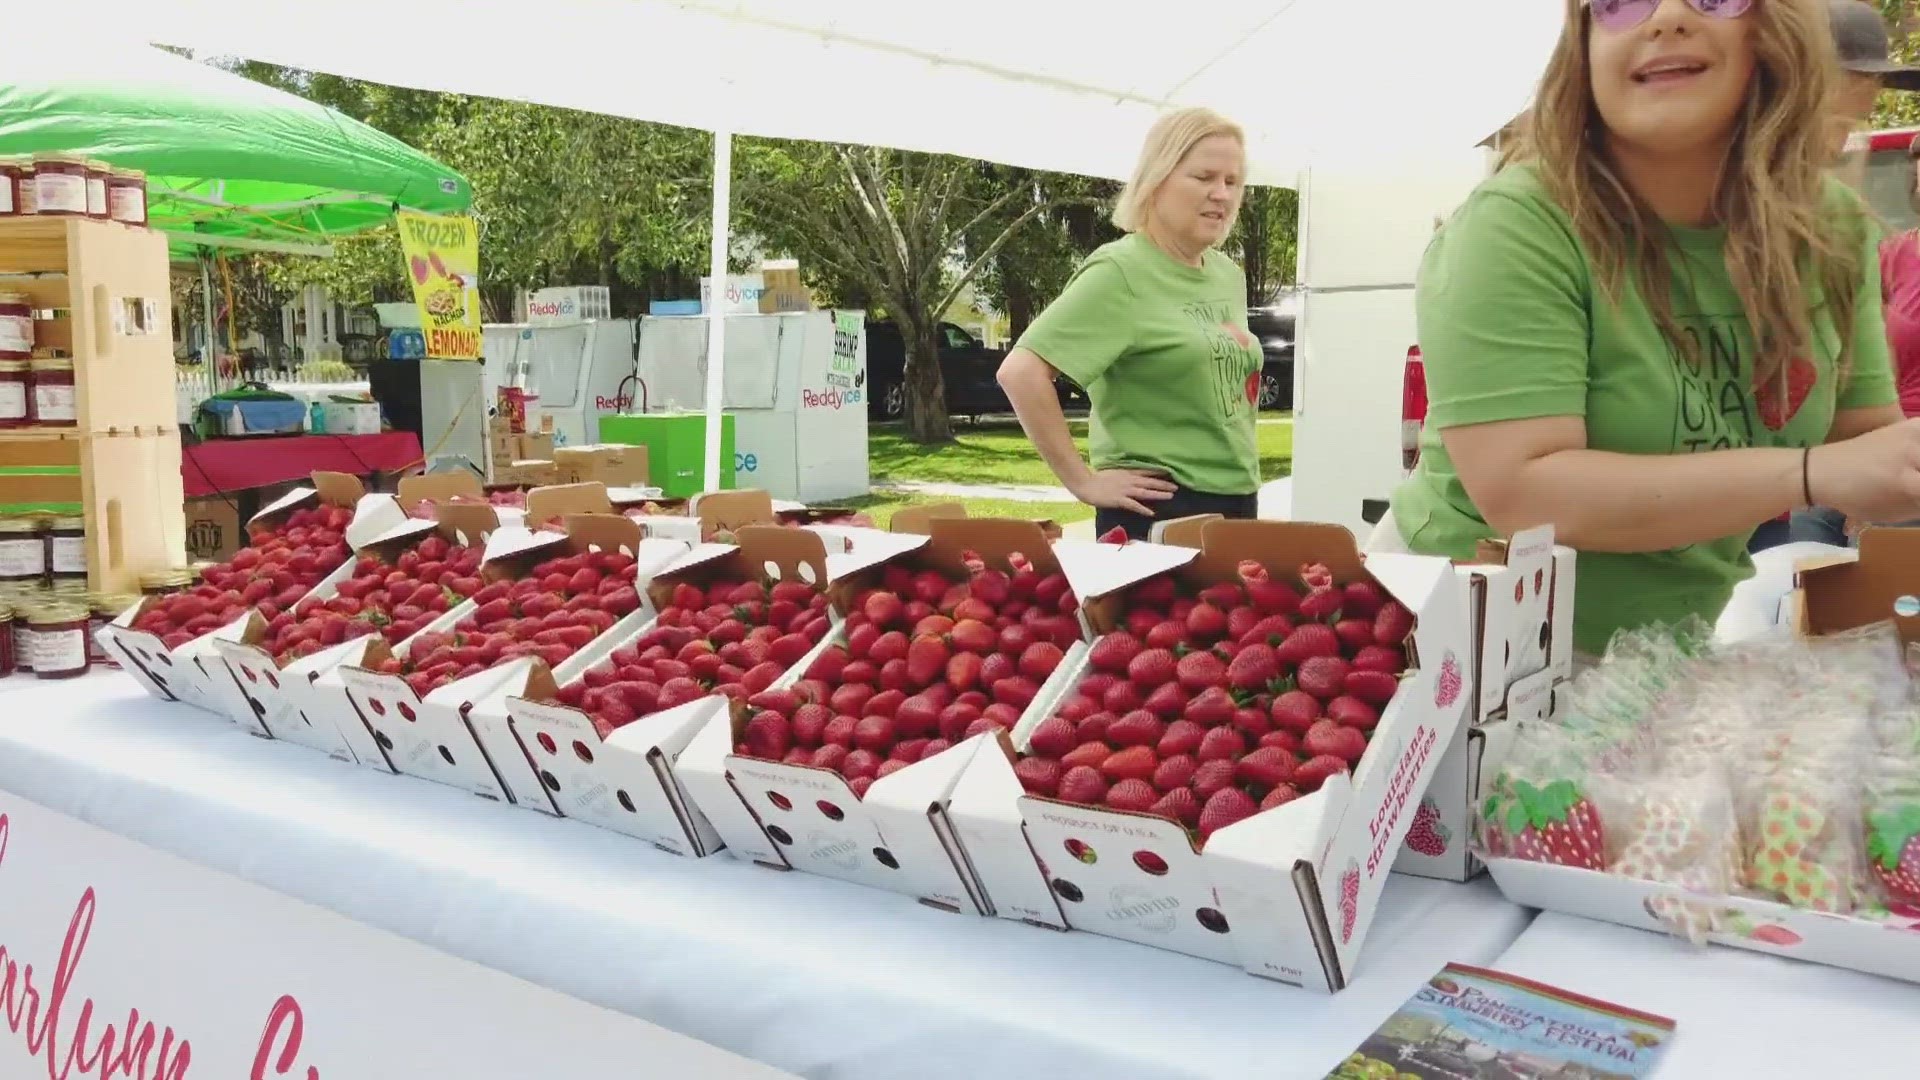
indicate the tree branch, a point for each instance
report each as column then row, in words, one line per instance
column 992, row 249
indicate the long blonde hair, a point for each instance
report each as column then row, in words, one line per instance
column 1772, row 196
column 1166, row 145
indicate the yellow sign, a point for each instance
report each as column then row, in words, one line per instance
column 443, row 265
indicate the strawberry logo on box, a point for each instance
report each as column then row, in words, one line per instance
column 1447, row 687
column 1349, row 900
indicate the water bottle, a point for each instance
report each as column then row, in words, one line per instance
column 317, row 419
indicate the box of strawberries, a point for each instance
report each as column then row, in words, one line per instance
column 1229, row 768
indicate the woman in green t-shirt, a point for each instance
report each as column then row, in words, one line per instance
column 1154, row 327
column 1659, row 324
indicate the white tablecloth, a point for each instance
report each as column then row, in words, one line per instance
column 1740, row 1014
column 813, row 976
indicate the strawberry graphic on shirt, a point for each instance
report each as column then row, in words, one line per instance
column 1801, row 377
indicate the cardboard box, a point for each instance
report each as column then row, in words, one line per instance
column 781, row 287
column 436, row 487
column 714, row 516
column 537, row 447
column 1287, row 894
column 457, row 734
column 1520, row 599
column 527, row 474
column 613, row 464
column 283, row 697
column 1833, row 594
column 350, row 417
column 918, row 520
column 213, row 529
column 900, row 837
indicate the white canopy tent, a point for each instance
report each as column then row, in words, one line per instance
column 1063, row 85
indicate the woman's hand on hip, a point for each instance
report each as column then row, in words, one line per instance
column 1124, row 489
column 1870, row 477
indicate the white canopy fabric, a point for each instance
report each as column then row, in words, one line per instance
column 1068, row 85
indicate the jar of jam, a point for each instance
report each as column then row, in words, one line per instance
column 167, row 582
column 23, row 553
column 14, row 383
column 103, row 608
column 127, row 196
column 97, row 172
column 59, row 638
column 52, row 403
column 67, row 552
column 16, row 326
column 28, row 202
column 60, row 185
column 10, row 187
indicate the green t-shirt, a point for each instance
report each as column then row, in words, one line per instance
column 1163, row 352
column 1513, row 325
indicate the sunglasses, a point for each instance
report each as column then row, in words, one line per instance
column 1627, row 14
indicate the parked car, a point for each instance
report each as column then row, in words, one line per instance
column 967, row 366
column 1276, row 328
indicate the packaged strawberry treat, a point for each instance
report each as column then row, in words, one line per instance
column 1541, row 805
column 1681, row 830
column 1892, row 819
column 1799, row 821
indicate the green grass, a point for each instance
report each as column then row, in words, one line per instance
column 882, row 508
column 999, row 453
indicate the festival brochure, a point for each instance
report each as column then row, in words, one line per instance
column 1469, row 1023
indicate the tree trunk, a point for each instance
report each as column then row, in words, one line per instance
column 927, row 419
column 1019, row 308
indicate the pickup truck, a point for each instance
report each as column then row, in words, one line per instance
column 966, row 364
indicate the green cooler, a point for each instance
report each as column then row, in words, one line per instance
column 676, row 448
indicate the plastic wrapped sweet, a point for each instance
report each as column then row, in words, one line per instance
column 1892, row 814
column 1538, row 807
column 1802, row 847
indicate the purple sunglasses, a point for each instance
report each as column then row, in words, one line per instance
column 1627, row 14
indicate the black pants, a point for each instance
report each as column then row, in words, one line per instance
column 1185, row 503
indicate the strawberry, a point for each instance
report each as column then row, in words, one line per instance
column 1225, row 595
column 986, row 725
column 955, row 719
column 1157, row 591
column 874, row 732
column 1265, row 768
column 860, row 785
column 1211, row 776
column 1122, row 698
column 889, row 646
column 1281, row 795
column 1241, row 621
column 926, row 659
column 1206, row 623
column 1141, row 620
column 1199, row 671
column 1551, row 824
column 1116, row 536
column 1393, row 624
column 1307, row 641
column 1362, row 600
column 1222, row 744
column 1354, row 633
column 1282, row 740
column 1270, row 630
column 1039, row 660
column 1038, row 775
column 839, row 731
column 1316, row 576
column 1133, row 763
column 1322, row 605
column 809, row 723
column 917, row 717
column 1167, row 635
column 1211, row 707
column 1254, row 667
column 1087, row 753
column 974, row 636
column 1314, row 771
column 1295, row 711
column 1167, row 701
column 1227, row 806
column 909, row 751
column 1181, row 737
column 859, row 764
column 783, row 702
column 1352, row 712
column 884, row 609
column 1382, row 658
column 1175, row 772
column 1253, row 720
column 768, row 736
column 1054, row 737
column 1017, row 691
column 1136, row 796
column 1139, row 728
column 1322, row 676
column 963, row 671
column 1180, row 805
column 1094, row 728
column 1082, row 784
column 1893, row 846
column 1154, row 667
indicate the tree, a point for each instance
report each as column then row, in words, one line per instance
column 1266, row 241
column 1037, row 261
column 908, row 230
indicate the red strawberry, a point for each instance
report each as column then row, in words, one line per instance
column 768, row 735
column 1393, row 624
column 839, row 730
column 1322, row 676
column 1265, row 768
column 1091, row 754
column 1550, row 824
column 1295, row 711
column 955, row 719
column 909, row 751
column 1175, row 772
column 1167, row 635
column 1181, row 737
column 1053, row 737
column 860, row 785
column 1222, row 744
column 1363, row 600
column 1225, row 595
column 1136, row 796
column 1082, row 784
column 1253, row 720
column 1271, row 630
column 1316, row 576
column 1354, row 633
column 1211, row 776
column 926, row 660
column 1178, row 804
column 1282, row 740
column 1141, row 621
column 1038, row 775
column 1372, row 687
column 1114, row 652
column 1353, row 713
column 1327, row 738
column 1122, row 697
column 1314, row 771
column 1281, row 795
column 1206, row 623
column 1039, row 660
column 1077, row 707
column 1155, row 667
column 1382, row 658
column 810, row 724
column 1322, row 605
column 1200, row 670
column 884, row 609
column 1094, row 728
column 1140, row 728
column 1133, row 763
column 1157, row 591
column 1212, row 707
column 1241, row 621
column 1893, row 848
column 917, row 717
column 876, row 733
column 1254, row 667
column 972, row 635
column 859, row 763
column 1116, row 536
column 1307, row 641
column 1227, row 806
column 1167, row 701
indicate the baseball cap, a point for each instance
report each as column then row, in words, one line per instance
column 1861, row 37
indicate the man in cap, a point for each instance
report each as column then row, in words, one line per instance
column 1860, row 36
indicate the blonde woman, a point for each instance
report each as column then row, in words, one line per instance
column 1660, row 325
column 1154, row 327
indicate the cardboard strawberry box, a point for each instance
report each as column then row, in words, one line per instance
column 440, row 555
column 419, row 708
column 714, row 516
column 180, row 664
column 1520, row 601
column 890, row 828
column 1286, row 892
column 1833, row 594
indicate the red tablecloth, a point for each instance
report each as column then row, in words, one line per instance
column 238, row 464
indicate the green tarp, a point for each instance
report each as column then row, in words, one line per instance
column 225, row 156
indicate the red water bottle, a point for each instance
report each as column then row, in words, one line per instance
column 1413, row 409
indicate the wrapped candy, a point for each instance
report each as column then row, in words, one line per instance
column 1892, row 810
column 1538, row 808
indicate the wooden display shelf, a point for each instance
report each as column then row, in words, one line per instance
column 128, row 487
column 111, row 282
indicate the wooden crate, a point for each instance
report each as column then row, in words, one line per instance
column 111, row 283
column 128, row 487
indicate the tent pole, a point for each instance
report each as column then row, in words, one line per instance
column 717, row 299
column 210, row 354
